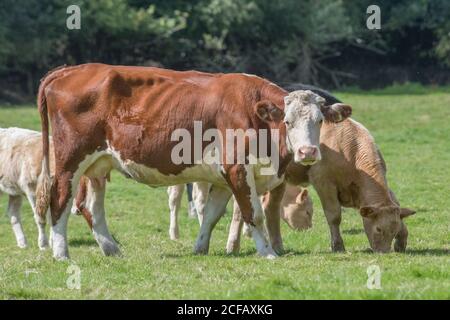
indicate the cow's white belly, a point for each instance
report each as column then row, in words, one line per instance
column 153, row 177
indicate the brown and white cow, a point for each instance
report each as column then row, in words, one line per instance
column 105, row 117
column 352, row 173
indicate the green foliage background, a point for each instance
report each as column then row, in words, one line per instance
column 324, row 42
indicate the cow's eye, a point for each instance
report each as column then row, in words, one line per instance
column 287, row 123
column 321, row 121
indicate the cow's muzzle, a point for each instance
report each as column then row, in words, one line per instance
column 307, row 155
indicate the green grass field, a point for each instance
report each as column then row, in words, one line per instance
column 411, row 126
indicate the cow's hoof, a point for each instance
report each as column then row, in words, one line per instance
column 174, row 235
column 399, row 247
column 22, row 245
column 338, row 247
column 110, row 249
column 61, row 257
column 201, row 250
column 278, row 248
column 268, row 253
column 43, row 243
column 233, row 248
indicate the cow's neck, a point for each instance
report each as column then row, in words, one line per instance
column 374, row 191
column 276, row 95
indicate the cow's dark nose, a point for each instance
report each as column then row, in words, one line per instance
column 308, row 154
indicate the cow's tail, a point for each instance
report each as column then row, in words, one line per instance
column 44, row 185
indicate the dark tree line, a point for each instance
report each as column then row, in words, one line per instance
column 322, row 42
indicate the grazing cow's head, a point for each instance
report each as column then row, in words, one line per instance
column 382, row 224
column 298, row 215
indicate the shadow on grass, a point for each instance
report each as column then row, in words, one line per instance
column 242, row 253
column 353, row 231
column 88, row 242
column 428, row 252
column 82, row 242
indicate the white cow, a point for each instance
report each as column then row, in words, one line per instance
column 20, row 167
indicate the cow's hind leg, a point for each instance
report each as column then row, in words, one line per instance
column 62, row 196
column 14, row 205
column 64, row 188
column 96, row 205
column 175, row 194
column 40, row 223
column 215, row 208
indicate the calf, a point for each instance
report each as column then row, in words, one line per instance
column 21, row 174
column 352, row 173
column 20, row 167
column 118, row 117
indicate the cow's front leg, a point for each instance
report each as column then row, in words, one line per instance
column 175, row 194
column 234, row 235
column 332, row 209
column 272, row 209
column 215, row 208
column 242, row 182
column 401, row 239
column 200, row 194
column 96, row 205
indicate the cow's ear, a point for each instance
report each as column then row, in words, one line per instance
column 302, row 196
column 268, row 112
column 368, row 212
column 406, row 212
column 336, row 112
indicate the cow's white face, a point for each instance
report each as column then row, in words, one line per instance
column 303, row 119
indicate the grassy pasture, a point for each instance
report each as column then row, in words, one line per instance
column 412, row 127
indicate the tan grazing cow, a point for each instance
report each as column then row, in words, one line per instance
column 352, row 173
column 20, row 167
